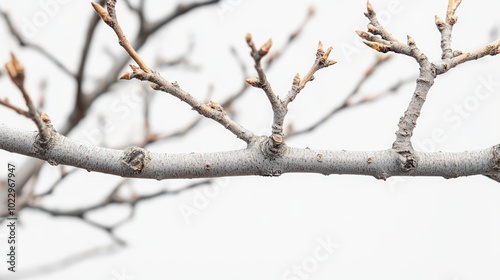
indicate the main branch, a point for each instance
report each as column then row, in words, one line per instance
column 139, row 163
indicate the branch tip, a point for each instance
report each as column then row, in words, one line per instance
column 451, row 18
column 372, row 29
column 126, row 76
column 328, row 51
column 15, row 69
column 255, row 82
column 369, row 7
column 265, row 48
column 410, row 40
column 377, row 46
column 248, row 38
column 320, row 46
column 439, row 23
column 45, row 117
column 362, row 34
column 101, row 11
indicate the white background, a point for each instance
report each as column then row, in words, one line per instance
column 260, row 228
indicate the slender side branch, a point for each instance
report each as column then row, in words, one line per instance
column 458, row 57
column 379, row 39
column 280, row 107
column 386, row 42
column 109, row 17
column 15, row 70
column 261, row 81
column 275, row 144
column 114, row 198
column 446, row 28
column 5, row 102
column 212, row 110
column 271, row 57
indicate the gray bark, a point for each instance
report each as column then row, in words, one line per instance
column 136, row 162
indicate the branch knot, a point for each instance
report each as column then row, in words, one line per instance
column 136, row 159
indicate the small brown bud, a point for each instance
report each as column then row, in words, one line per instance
column 330, row 62
column 439, row 23
column 410, row 40
column 327, row 53
column 320, row 46
column 377, row 46
column 372, row 29
column 362, row 34
column 15, row 69
column 265, row 48
column 248, row 38
column 255, row 82
column 215, row 106
column 45, row 117
column 101, row 11
column 369, row 7
column 296, row 80
column 278, row 139
column 126, row 76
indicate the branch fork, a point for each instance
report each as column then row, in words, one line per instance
column 379, row 39
column 144, row 73
column 275, row 144
column 267, row 156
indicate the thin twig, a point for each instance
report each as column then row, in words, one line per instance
column 211, row 110
column 272, row 57
column 261, row 81
column 114, row 199
column 16, row 72
column 109, row 17
column 322, row 61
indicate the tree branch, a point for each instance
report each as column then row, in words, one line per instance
column 381, row 40
column 140, row 163
column 16, row 72
column 211, row 110
column 275, row 145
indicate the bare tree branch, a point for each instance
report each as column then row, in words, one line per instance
column 279, row 107
column 381, row 40
column 139, row 163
